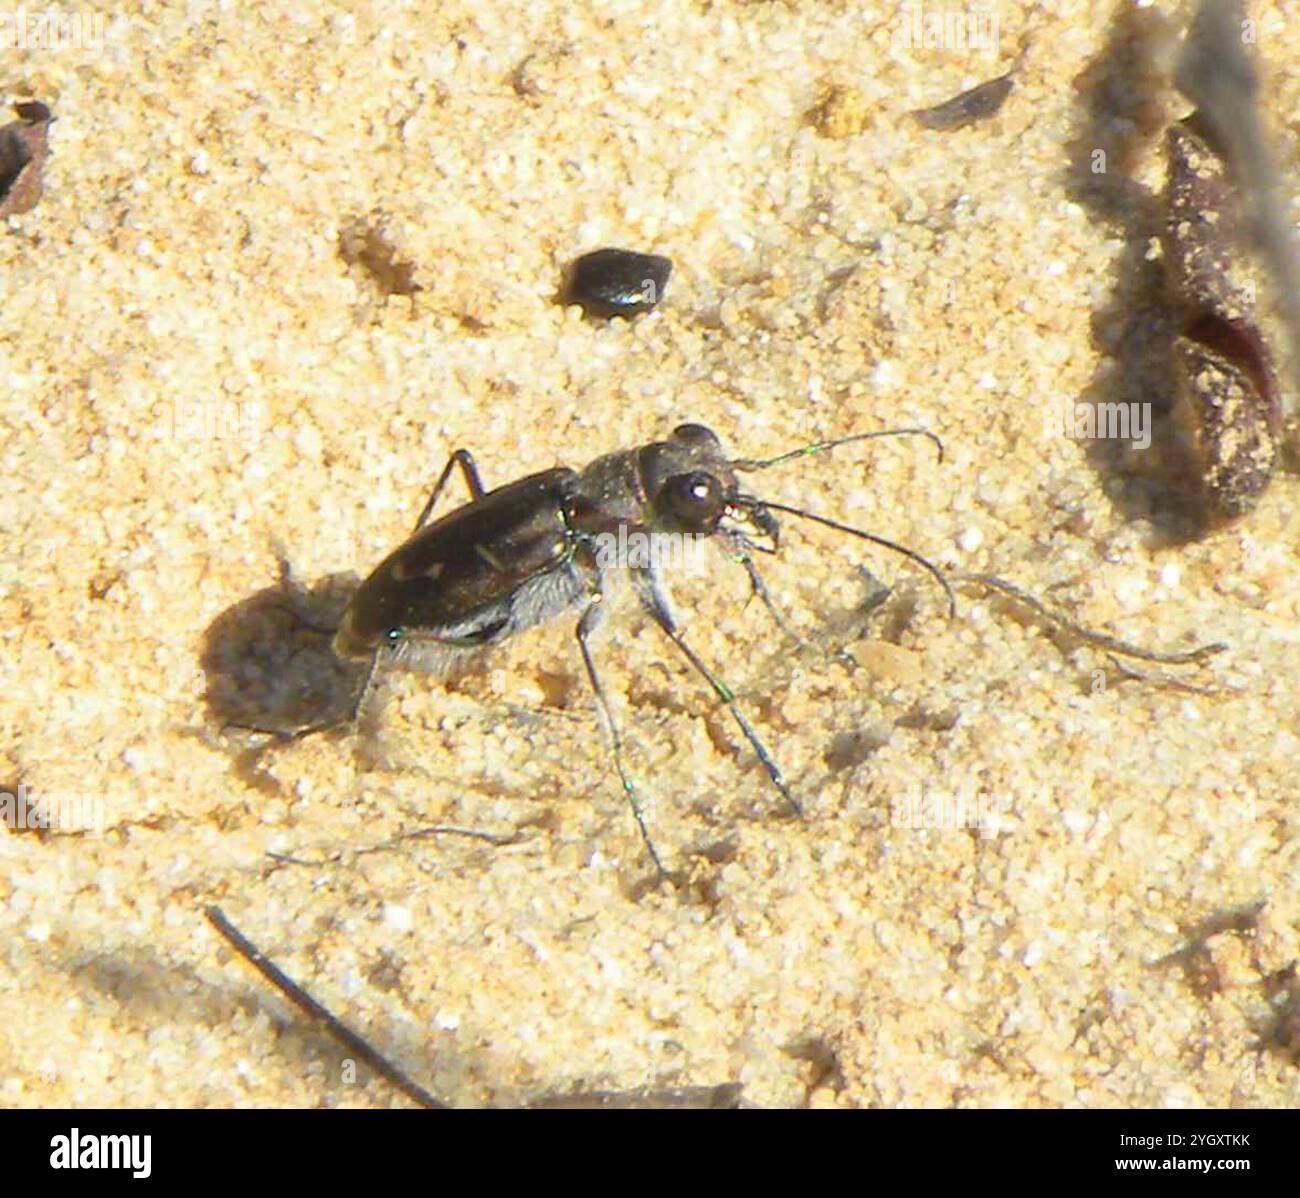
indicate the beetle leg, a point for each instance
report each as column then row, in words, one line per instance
column 465, row 460
column 590, row 618
column 740, row 553
column 741, row 547
column 655, row 603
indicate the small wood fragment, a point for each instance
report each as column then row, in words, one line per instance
column 976, row 104
column 841, row 112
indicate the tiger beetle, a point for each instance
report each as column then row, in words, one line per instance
column 524, row 553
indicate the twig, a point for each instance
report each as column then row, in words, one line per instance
column 309, row 1006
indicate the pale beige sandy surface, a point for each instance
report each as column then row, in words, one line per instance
column 216, row 189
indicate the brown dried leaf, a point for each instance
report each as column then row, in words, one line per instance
column 1229, row 405
column 1217, row 72
column 24, row 145
column 1203, row 226
column 1222, row 415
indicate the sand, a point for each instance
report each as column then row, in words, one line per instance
column 286, row 262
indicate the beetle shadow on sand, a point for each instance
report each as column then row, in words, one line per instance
column 270, row 671
column 271, row 676
column 1135, row 328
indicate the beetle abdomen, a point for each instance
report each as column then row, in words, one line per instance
column 460, row 577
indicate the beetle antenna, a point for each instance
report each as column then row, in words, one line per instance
column 822, row 446
column 862, row 534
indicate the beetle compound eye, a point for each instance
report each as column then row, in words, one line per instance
column 694, row 500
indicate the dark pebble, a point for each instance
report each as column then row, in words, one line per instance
column 613, row 282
